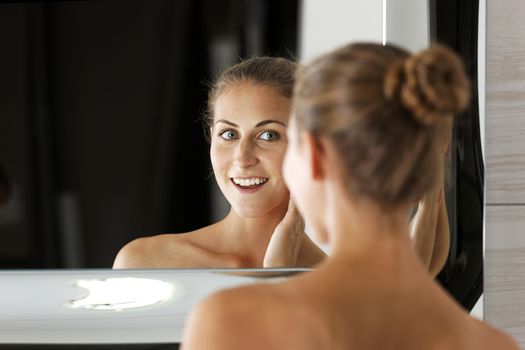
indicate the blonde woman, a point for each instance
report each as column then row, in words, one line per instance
column 249, row 109
column 248, row 114
column 362, row 149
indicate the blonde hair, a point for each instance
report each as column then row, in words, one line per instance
column 383, row 109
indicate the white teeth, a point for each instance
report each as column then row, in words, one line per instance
column 249, row 182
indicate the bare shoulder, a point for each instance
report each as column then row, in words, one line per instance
column 159, row 251
column 251, row 317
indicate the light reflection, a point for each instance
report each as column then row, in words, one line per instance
column 122, row 293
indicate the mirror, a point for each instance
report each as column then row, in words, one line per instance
column 100, row 138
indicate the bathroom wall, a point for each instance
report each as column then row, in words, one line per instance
column 505, row 167
column 325, row 25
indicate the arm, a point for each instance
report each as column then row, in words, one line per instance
column 424, row 225
column 441, row 243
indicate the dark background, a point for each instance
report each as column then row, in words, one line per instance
column 100, row 133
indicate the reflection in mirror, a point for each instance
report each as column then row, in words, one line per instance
column 100, row 129
column 455, row 23
column 100, row 138
column 248, row 112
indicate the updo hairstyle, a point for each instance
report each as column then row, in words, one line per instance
column 384, row 110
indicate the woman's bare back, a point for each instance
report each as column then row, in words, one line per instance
column 341, row 307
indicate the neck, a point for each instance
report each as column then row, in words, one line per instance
column 249, row 237
column 358, row 227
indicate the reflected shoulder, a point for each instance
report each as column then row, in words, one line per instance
column 149, row 252
column 133, row 254
column 193, row 249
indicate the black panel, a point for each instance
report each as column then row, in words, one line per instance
column 26, row 220
column 455, row 23
column 100, row 133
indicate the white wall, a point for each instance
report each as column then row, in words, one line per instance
column 327, row 24
column 482, row 33
column 406, row 23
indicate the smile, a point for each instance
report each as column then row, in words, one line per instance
column 247, row 183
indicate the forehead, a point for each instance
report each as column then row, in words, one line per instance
column 247, row 103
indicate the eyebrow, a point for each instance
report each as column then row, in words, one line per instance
column 259, row 124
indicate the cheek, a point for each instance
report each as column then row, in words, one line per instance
column 219, row 159
column 276, row 160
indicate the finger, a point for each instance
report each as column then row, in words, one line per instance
column 296, row 215
column 292, row 208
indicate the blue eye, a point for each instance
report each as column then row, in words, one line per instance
column 228, row 134
column 270, row 136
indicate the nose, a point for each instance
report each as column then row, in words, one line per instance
column 245, row 154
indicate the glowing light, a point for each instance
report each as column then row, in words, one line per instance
column 123, row 293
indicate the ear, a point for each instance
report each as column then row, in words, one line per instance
column 315, row 152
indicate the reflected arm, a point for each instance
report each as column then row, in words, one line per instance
column 430, row 232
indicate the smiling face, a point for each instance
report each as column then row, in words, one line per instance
column 248, row 143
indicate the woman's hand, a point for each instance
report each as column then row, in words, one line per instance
column 285, row 244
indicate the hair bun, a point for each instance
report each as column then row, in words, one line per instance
column 431, row 84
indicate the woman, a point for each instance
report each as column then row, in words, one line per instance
column 362, row 149
column 249, row 108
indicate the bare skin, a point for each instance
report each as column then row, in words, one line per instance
column 263, row 228
column 430, row 231
column 252, row 235
column 371, row 293
column 226, row 244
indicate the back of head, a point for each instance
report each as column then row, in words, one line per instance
column 383, row 109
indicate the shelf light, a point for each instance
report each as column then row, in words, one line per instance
column 122, row 293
